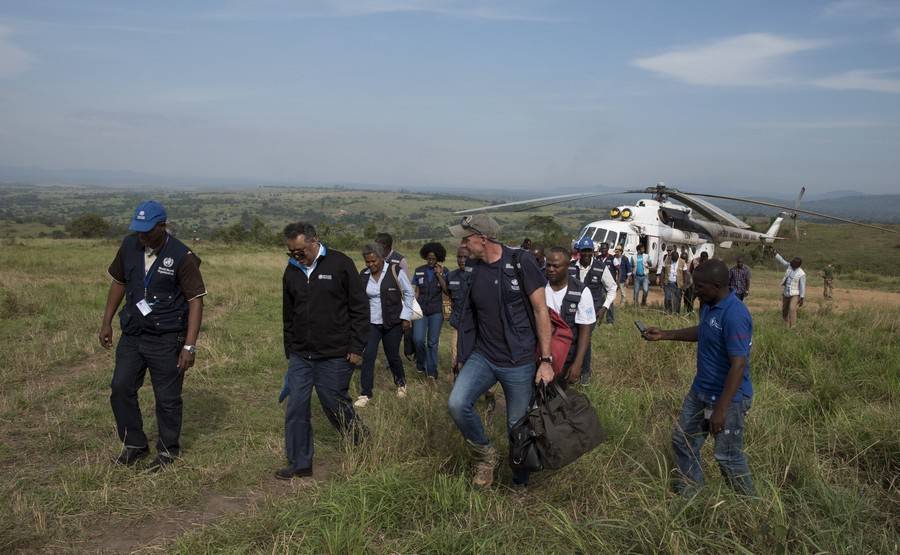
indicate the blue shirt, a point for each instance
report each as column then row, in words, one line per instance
column 725, row 330
column 639, row 270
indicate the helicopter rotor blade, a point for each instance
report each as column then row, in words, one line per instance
column 797, row 210
column 557, row 199
column 584, row 197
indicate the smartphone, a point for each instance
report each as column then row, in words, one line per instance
column 640, row 326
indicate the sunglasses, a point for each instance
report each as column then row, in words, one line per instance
column 296, row 253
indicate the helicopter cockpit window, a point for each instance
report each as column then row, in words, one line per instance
column 589, row 232
column 611, row 238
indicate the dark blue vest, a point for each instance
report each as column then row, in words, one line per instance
column 170, row 308
column 519, row 333
column 430, row 297
column 593, row 280
column 611, row 265
column 568, row 310
column 391, row 296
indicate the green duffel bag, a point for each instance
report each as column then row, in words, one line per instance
column 565, row 426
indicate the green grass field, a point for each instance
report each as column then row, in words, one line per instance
column 823, row 436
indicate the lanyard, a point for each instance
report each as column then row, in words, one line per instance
column 148, row 275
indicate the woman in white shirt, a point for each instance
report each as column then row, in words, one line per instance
column 391, row 298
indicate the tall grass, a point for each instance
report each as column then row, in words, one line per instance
column 823, row 437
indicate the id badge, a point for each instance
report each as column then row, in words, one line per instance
column 144, row 307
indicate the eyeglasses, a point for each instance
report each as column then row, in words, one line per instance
column 296, row 253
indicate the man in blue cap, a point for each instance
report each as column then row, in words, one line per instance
column 599, row 279
column 159, row 278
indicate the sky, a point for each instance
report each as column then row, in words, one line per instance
column 543, row 95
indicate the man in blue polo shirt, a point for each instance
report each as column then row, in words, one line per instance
column 721, row 393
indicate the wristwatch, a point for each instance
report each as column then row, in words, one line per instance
column 191, row 349
column 548, row 360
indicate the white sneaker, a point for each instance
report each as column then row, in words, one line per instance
column 401, row 392
column 362, row 401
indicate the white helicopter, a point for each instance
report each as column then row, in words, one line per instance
column 656, row 223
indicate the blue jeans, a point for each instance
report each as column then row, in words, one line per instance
column 390, row 339
column 331, row 378
column 672, row 301
column 690, row 434
column 477, row 375
column 427, row 355
column 643, row 283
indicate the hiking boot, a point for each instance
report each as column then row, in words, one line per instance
column 401, row 392
column 485, row 458
column 161, row 461
column 288, row 472
column 131, row 455
column 362, row 401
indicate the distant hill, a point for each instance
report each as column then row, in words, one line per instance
column 870, row 208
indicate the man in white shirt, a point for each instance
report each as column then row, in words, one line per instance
column 573, row 301
column 794, row 289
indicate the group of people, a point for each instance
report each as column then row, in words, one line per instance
column 335, row 317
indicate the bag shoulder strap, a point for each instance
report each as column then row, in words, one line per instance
column 521, row 277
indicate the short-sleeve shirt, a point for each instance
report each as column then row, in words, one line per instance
column 487, row 297
column 190, row 281
column 725, row 330
column 584, row 313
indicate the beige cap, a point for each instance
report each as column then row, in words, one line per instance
column 479, row 224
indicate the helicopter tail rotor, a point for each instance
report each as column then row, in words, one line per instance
column 794, row 214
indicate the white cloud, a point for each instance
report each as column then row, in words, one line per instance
column 754, row 59
column 863, row 80
column 863, row 9
column 499, row 10
column 13, row 59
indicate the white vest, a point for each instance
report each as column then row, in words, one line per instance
column 791, row 281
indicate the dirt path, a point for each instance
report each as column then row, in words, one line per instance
column 155, row 533
column 844, row 298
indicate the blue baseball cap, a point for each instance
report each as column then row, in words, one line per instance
column 584, row 244
column 146, row 216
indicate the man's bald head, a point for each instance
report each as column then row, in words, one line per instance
column 711, row 281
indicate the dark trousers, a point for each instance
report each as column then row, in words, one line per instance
column 134, row 355
column 689, row 299
column 331, row 378
column 390, row 339
column 610, row 313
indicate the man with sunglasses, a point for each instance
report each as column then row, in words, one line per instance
column 326, row 326
column 503, row 321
